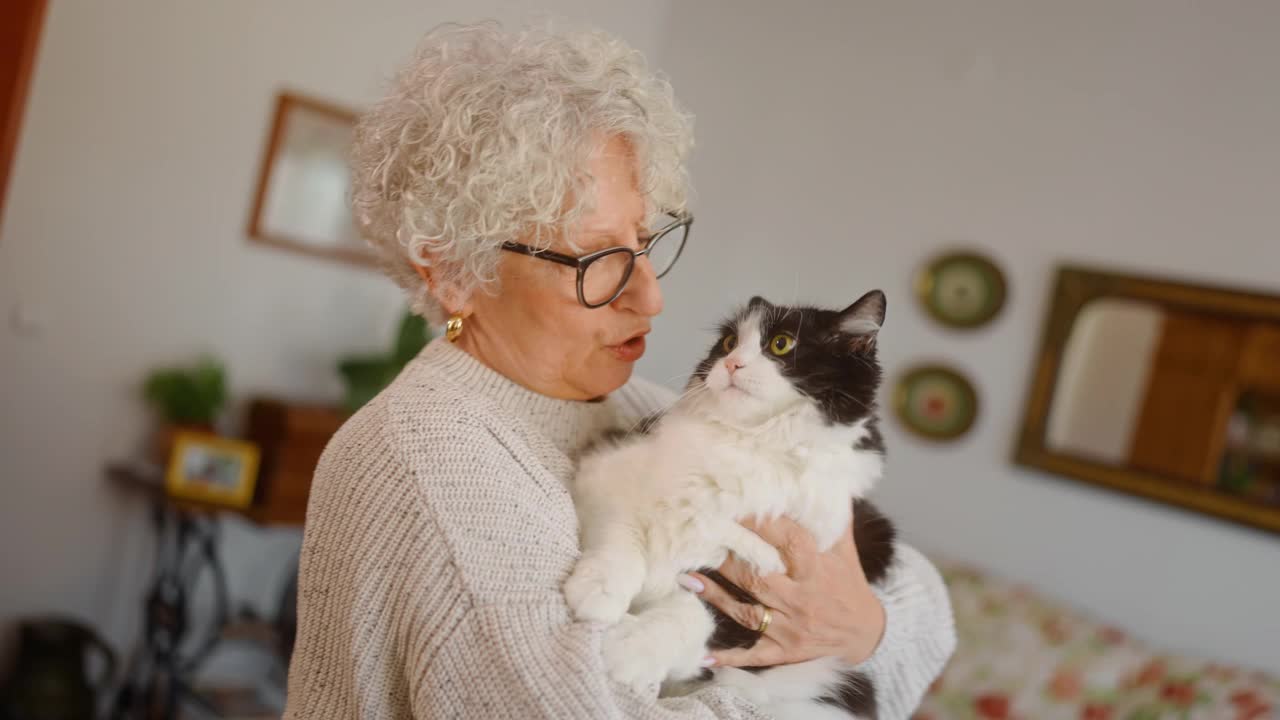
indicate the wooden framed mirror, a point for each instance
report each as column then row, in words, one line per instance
column 1161, row 389
column 303, row 183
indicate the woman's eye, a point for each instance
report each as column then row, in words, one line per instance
column 730, row 342
column 782, row 344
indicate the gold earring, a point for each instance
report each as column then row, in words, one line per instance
column 453, row 328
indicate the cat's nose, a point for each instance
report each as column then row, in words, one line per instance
column 732, row 363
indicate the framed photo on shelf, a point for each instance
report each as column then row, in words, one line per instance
column 211, row 469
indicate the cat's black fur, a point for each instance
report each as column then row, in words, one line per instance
column 873, row 534
column 839, row 370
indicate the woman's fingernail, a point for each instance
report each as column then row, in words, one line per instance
column 690, row 583
column 708, row 661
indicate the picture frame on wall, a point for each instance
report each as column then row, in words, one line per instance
column 301, row 200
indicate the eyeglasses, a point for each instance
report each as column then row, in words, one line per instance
column 603, row 274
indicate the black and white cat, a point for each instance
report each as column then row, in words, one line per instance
column 779, row 419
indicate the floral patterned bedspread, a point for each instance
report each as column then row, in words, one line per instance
column 1021, row 656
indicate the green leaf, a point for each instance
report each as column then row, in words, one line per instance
column 193, row 396
column 411, row 338
column 366, row 375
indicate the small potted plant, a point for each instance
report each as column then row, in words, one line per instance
column 185, row 399
column 366, row 375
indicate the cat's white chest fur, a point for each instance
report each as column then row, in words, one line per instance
column 670, row 502
column 798, row 467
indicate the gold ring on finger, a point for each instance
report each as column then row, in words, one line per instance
column 765, row 619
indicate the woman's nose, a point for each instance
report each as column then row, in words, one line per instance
column 642, row 294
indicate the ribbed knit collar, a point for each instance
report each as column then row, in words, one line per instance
column 568, row 424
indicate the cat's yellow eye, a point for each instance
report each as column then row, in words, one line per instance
column 782, row 344
column 730, row 342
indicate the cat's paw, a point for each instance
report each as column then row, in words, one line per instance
column 635, row 657
column 592, row 597
column 753, row 550
column 764, row 559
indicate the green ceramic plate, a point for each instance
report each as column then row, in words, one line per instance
column 961, row 289
column 935, row 402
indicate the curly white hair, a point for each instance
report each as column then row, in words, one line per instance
column 485, row 137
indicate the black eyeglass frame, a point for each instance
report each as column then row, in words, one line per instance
column 582, row 263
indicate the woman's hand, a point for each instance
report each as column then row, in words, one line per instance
column 822, row 607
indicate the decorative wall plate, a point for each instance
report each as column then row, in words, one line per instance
column 935, row 402
column 961, row 289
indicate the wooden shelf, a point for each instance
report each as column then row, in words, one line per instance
column 291, row 438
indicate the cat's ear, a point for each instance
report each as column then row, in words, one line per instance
column 863, row 319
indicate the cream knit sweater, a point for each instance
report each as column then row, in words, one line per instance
column 438, row 535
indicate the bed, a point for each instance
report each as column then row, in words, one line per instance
column 1022, row 656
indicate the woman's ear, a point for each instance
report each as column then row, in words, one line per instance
column 444, row 293
column 424, row 272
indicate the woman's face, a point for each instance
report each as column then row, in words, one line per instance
column 534, row 330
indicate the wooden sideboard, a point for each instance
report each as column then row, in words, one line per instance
column 291, row 437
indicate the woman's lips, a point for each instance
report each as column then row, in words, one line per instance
column 630, row 350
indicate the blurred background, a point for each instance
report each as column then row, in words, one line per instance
column 1092, row 456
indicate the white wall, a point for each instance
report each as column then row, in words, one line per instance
column 840, row 143
column 123, row 241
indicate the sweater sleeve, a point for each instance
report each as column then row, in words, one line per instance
column 919, row 635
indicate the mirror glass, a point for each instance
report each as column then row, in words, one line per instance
column 302, row 201
column 307, row 196
column 1142, row 388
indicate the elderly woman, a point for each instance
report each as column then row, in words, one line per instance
column 529, row 189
